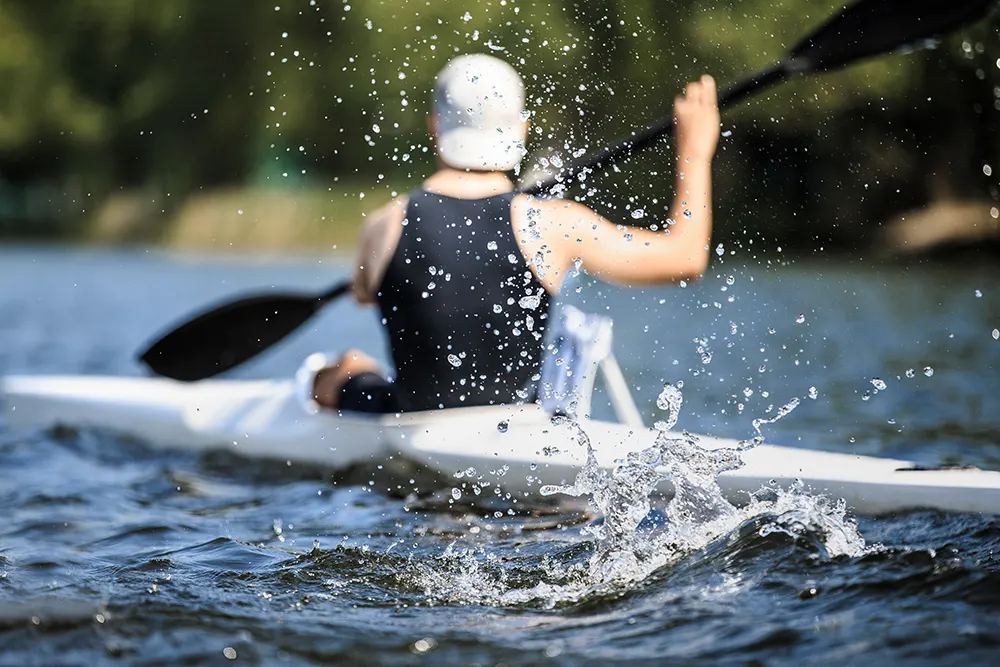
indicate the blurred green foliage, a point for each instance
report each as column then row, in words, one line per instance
column 174, row 98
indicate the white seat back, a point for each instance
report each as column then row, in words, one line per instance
column 581, row 345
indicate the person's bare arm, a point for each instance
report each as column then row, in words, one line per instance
column 378, row 241
column 679, row 249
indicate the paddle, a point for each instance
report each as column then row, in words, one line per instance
column 232, row 333
column 228, row 335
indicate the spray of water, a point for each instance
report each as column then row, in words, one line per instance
column 627, row 546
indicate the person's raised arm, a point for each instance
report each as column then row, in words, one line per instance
column 678, row 250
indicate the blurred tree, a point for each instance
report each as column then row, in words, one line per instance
column 174, row 96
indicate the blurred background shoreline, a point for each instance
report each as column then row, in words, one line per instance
column 254, row 127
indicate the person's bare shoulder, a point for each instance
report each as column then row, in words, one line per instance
column 385, row 216
column 551, row 227
column 379, row 237
column 558, row 221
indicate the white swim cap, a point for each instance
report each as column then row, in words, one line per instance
column 479, row 100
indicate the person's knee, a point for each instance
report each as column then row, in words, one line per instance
column 329, row 381
column 353, row 362
column 351, row 356
column 326, row 384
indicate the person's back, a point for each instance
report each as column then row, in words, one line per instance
column 423, row 258
column 465, row 316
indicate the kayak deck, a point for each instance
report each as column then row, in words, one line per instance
column 516, row 448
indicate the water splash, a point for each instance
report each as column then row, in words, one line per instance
column 632, row 541
column 758, row 438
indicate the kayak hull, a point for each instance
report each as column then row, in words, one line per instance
column 513, row 449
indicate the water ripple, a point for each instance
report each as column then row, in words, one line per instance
column 115, row 553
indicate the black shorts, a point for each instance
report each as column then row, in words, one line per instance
column 369, row 392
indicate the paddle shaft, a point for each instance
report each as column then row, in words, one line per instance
column 335, row 292
column 662, row 128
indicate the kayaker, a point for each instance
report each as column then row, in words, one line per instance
column 463, row 268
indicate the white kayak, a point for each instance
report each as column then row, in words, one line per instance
column 516, row 448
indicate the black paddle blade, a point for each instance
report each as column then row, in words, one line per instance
column 871, row 27
column 229, row 335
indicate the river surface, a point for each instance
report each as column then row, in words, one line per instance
column 115, row 553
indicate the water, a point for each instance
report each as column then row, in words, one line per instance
column 112, row 553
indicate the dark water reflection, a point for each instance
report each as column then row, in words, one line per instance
column 113, row 553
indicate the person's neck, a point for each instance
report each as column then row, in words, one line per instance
column 467, row 184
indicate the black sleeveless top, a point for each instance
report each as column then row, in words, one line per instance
column 464, row 313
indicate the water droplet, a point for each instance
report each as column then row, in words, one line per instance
column 979, row 294
column 748, row 392
column 638, row 213
column 720, row 250
column 730, row 280
column 492, row 245
column 800, row 319
column 878, row 384
column 996, row 334
column 928, row 371
column 525, row 115
column 454, row 360
column 497, row 308
column 910, row 372
column 456, row 493
column 503, row 426
column 813, row 393
column 704, row 350
column 866, row 396
column 530, row 302
column 540, row 265
column 670, row 400
column 512, row 258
